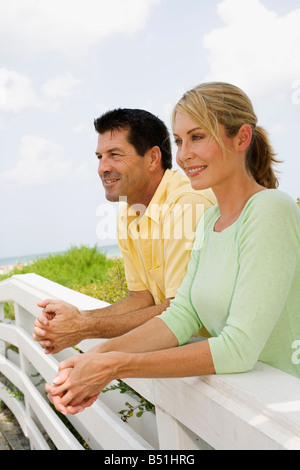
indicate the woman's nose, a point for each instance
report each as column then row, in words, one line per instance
column 184, row 153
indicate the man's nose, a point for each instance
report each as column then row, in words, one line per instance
column 104, row 166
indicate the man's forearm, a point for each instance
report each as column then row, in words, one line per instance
column 134, row 301
column 104, row 326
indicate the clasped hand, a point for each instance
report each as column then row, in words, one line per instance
column 59, row 326
column 80, row 379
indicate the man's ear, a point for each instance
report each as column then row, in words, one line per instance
column 155, row 158
column 244, row 137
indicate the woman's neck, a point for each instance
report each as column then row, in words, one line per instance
column 232, row 200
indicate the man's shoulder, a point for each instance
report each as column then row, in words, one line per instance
column 179, row 190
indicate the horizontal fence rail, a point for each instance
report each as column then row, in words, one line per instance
column 256, row 410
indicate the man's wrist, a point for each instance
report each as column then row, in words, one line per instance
column 89, row 325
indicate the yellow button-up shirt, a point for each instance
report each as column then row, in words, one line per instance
column 156, row 246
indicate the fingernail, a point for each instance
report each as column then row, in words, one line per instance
column 57, row 380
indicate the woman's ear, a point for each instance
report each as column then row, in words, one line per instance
column 244, row 137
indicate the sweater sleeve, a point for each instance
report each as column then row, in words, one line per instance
column 269, row 250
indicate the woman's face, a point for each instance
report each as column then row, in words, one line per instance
column 200, row 155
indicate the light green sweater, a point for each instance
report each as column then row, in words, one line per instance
column 243, row 285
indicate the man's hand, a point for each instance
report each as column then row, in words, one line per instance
column 59, row 326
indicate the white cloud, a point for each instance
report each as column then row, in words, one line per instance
column 256, row 49
column 58, row 88
column 61, row 86
column 83, row 127
column 17, row 92
column 41, row 162
column 69, row 26
column 82, row 173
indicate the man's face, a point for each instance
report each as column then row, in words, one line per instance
column 122, row 171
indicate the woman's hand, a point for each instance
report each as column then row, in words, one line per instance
column 80, row 380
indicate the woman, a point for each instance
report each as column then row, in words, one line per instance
column 243, row 281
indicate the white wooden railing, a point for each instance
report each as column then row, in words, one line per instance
column 257, row 410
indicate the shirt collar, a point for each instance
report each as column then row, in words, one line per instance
column 154, row 208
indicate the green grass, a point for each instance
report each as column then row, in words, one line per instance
column 77, row 266
column 83, row 269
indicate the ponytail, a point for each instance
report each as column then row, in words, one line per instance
column 260, row 159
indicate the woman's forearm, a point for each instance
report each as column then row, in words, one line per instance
column 152, row 354
column 186, row 361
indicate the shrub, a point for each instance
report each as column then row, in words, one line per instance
column 83, row 269
column 111, row 290
column 77, row 266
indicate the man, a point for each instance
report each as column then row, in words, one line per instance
column 155, row 230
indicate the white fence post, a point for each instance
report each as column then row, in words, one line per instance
column 173, row 435
column 2, row 343
column 1, row 312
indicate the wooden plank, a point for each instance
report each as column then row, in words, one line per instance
column 11, row 435
column 3, row 443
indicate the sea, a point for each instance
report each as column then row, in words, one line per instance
column 109, row 250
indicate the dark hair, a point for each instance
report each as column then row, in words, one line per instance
column 145, row 131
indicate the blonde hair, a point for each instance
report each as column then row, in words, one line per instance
column 211, row 104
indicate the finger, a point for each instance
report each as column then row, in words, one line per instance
column 41, row 320
column 50, row 397
column 57, row 402
column 69, row 399
column 38, row 333
column 62, row 376
column 54, row 389
column 48, row 388
column 72, row 410
column 45, row 344
column 49, row 350
column 60, row 384
column 44, row 303
column 67, row 364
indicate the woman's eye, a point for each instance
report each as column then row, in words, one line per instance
column 198, row 137
column 177, row 142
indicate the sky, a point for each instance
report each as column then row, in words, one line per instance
column 63, row 63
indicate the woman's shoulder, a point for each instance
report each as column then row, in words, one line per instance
column 271, row 211
column 272, row 200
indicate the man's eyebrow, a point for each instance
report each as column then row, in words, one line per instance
column 112, row 150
